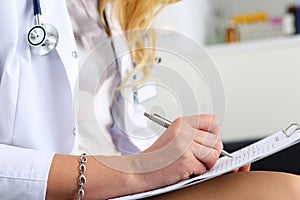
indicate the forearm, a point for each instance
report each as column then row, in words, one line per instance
column 103, row 180
column 180, row 152
column 62, row 183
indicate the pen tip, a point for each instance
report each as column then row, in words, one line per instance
column 225, row 153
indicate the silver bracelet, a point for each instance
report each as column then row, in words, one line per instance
column 81, row 178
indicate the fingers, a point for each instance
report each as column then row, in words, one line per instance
column 196, row 138
column 206, row 155
column 208, row 139
column 207, row 148
column 208, row 123
column 206, row 145
column 197, row 168
column 245, row 168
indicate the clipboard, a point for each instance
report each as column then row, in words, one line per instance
column 256, row 151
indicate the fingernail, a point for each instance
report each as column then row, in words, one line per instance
column 222, row 146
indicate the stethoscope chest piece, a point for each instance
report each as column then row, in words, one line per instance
column 36, row 36
column 42, row 38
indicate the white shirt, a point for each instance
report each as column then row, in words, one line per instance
column 36, row 108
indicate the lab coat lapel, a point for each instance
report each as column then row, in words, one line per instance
column 122, row 110
column 66, row 47
column 121, row 47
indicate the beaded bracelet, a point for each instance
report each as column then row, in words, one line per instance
column 82, row 178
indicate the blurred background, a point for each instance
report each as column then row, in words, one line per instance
column 260, row 74
column 255, row 47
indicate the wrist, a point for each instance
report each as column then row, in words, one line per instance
column 107, row 179
column 148, row 176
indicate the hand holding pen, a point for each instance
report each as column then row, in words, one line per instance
column 166, row 123
column 188, row 147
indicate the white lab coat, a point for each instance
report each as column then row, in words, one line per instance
column 117, row 119
column 36, row 100
column 36, row 111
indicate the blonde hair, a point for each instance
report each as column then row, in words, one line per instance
column 133, row 15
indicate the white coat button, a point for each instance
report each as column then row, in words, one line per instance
column 74, row 131
column 74, row 54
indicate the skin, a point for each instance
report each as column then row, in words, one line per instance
column 189, row 146
column 242, row 186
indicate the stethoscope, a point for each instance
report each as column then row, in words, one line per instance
column 42, row 37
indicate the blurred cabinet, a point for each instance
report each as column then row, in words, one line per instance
column 262, row 83
column 222, row 11
column 204, row 20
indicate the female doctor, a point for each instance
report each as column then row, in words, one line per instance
column 38, row 134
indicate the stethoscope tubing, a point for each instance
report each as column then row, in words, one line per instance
column 37, row 8
column 42, row 38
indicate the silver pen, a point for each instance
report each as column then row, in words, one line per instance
column 166, row 123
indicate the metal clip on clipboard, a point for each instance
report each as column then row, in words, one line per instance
column 286, row 131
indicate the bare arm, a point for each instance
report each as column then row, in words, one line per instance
column 189, row 146
column 102, row 181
